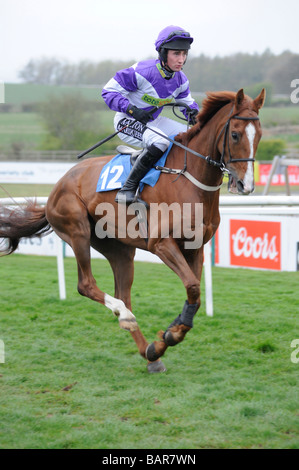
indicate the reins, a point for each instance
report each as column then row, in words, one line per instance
column 184, row 171
column 218, row 164
column 208, row 159
column 221, row 164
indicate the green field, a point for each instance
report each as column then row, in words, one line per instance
column 27, row 129
column 73, row 379
column 279, row 116
column 27, row 93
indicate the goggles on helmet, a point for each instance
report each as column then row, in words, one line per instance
column 182, row 40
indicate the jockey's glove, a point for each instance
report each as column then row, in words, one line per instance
column 192, row 116
column 139, row 114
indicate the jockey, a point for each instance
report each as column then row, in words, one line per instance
column 136, row 92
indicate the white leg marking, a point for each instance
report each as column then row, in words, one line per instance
column 249, row 176
column 125, row 317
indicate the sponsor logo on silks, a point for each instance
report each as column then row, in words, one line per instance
column 151, row 100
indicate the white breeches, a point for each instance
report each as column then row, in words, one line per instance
column 139, row 136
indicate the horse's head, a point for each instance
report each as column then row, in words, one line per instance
column 238, row 141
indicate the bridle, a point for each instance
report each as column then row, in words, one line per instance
column 225, row 130
column 221, row 163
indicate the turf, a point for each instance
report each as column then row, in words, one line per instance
column 73, row 379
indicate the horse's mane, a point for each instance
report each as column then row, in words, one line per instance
column 210, row 105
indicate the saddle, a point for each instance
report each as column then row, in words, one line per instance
column 126, row 150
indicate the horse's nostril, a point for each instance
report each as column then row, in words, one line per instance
column 243, row 188
column 240, row 186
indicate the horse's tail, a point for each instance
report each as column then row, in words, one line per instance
column 21, row 222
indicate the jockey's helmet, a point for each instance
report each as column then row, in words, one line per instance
column 172, row 37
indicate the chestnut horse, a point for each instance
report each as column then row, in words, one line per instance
column 226, row 134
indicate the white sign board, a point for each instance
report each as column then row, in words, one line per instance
column 33, row 172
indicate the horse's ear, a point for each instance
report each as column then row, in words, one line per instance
column 239, row 98
column 260, row 100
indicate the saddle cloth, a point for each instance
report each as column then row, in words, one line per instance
column 115, row 173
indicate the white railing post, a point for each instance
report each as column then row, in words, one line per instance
column 208, row 278
column 271, row 174
column 60, row 268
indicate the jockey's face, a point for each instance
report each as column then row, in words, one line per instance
column 176, row 59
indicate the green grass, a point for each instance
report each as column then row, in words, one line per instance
column 28, row 131
column 21, row 128
column 230, row 384
column 20, row 93
column 25, row 190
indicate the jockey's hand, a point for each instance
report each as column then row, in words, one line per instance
column 139, row 114
column 192, row 116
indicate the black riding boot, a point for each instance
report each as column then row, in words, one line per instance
column 127, row 194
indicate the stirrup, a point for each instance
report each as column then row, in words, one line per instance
column 122, row 196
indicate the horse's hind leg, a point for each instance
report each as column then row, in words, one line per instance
column 69, row 218
column 121, row 259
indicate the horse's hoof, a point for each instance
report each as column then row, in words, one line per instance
column 151, row 354
column 155, row 350
column 169, row 339
column 157, row 366
column 175, row 335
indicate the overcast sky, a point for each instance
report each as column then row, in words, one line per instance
column 97, row 30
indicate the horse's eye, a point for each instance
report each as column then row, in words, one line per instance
column 235, row 136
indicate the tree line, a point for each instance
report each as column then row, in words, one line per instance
column 205, row 73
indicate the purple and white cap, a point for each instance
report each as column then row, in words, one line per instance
column 173, row 37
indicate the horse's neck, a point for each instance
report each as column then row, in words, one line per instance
column 205, row 143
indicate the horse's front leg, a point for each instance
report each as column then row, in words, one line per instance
column 177, row 330
column 189, row 272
